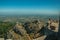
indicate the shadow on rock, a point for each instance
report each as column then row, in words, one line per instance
column 52, row 37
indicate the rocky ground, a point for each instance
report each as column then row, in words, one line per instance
column 34, row 30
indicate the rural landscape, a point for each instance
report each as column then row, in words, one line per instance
column 29, row 20
column 29, row 27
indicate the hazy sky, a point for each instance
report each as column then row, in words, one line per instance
column 29, row 6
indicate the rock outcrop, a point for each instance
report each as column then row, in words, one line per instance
column 33, row 30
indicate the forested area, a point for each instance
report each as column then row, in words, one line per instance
column 4, row 27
